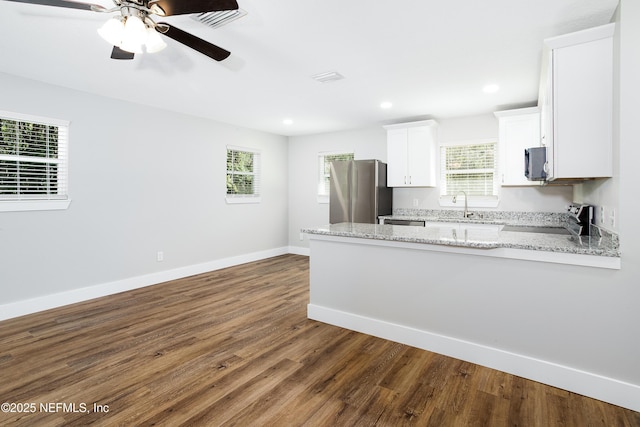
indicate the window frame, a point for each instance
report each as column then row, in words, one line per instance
column 256, row 196
column 472, row 200
column 42, row 202
column 322, row 191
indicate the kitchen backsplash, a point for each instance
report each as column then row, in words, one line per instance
column 551, row 218
column 606, row 237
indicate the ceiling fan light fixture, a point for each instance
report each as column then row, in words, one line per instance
column 112, row 31
column 128, row 46
column 154, row 41
column 135, row 34
column 134, row 30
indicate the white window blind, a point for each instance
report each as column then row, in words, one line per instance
column 324, row 160
column 471, row 168
column 33, row 158
column 243, row 175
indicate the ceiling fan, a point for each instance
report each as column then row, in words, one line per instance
column 134, row 29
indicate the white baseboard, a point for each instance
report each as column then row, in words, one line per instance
column 299, row 250
column 585, row 383
column 46, row 302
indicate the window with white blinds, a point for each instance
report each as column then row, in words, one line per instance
column 324, row 159
column 243, row 175
column 33, row 159
column 470, row 167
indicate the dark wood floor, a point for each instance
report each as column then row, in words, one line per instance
column 234, row 347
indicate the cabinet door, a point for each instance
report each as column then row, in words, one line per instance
column 421, row 157
column 582, row 110
column 397, row 157
column 517, row 132
column 576, row 101
column 411, row 154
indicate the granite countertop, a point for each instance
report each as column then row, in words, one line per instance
column 477, row 236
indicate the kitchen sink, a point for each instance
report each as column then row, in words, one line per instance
column 467, row 226
column 527, row 229
column 462, row 226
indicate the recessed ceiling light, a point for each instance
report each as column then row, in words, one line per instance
column 287, row 121
column 491, row 88
column 385, row 105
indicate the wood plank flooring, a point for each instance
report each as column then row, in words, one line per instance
column 234, row 348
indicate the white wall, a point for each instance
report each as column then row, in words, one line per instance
column 142, row 180
column 606, row 193
column 629, row 138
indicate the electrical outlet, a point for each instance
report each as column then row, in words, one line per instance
column 416, row 203
column 612, row 218
column 160, row 256
column 601, row 216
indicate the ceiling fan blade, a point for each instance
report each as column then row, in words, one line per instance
column 65, row 3
column 118, row 53
column 202, row 46
column 182, row 7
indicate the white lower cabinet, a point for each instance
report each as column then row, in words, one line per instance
column 411, row 154
column 517, row 130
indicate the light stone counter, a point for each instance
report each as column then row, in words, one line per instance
column 470, row 238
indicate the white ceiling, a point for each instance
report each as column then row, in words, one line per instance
column 430, row 58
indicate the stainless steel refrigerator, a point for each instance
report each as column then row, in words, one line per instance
column 358, row 191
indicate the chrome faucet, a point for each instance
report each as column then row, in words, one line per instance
column 466, row 213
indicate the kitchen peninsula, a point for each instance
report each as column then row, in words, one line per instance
column 517, row 235
column 477, row 293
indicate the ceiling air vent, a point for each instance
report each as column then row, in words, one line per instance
column 218, row 19
column 330, row 76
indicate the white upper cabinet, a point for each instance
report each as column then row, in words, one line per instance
column 411, row 154
column 576, row 104
column 517, row 130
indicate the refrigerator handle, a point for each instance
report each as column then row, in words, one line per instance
column 353, row 177
column 376, row 185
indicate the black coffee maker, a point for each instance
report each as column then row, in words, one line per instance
column 580, row 219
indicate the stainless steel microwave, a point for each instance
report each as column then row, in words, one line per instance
column 535, row 160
